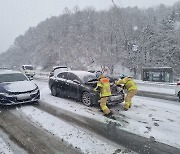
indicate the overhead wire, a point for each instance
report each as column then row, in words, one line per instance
column 115, row 4
column 120, row 3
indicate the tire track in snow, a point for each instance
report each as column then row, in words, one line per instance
column 30, row 137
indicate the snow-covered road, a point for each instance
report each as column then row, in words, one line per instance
column 156, row 119
column 149, row 117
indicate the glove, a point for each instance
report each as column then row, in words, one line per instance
column 115, row 82
column 121, row 86
column 95, row 90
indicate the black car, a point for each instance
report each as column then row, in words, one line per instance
column 16, row 88
column 79, row 85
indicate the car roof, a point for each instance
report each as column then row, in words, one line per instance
column 26, row 65
column 59, row 66
column 80, row 74
column 9, row 72
column 56, row 67
column 77, row 72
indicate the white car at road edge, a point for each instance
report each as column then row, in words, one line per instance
column 177, row 90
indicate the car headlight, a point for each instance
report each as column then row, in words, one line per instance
column 37, row 88
column 4, row 94
column 35, row 91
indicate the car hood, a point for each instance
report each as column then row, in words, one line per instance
column 91, row 84
column 20, row 86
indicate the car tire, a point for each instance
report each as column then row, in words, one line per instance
column 54, row 91
column 179, row 95
column 86, row 99
column 36, row 103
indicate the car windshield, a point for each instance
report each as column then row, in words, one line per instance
column 28, row 67
column 12, row 77
column 89, row 78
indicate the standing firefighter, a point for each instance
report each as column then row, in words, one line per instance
column 130, row 86
column 103, row 87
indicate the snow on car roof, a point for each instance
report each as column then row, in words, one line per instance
column 82, row 74
column 27, row 65
column 8, row 72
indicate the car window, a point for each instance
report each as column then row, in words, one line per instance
column 28, row 67
column 12, row 77
column 63, row 75
column 73, row 77
column 59, row 70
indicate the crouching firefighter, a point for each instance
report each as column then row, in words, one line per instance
column 130, row 86
column 103, row 88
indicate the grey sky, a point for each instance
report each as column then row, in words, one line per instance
column 17, row 16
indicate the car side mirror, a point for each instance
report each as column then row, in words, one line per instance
column 30, row 78
column 76, row 81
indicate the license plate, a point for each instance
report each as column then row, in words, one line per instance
column 23, row 96
column 115, row 98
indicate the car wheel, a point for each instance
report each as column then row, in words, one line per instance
column 36, row 103
column 179, row 95
column 54, row 91
column 86, row 99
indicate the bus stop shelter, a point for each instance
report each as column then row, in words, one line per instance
column 157, row 74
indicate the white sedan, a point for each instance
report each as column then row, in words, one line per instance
column 177, row 90
column 16, row 88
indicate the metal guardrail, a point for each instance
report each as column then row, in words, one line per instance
column 156, row 84
column 157, row 95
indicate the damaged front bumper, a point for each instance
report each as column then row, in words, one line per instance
column 20, row 98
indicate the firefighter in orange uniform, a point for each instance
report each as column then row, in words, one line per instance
column 103, row 87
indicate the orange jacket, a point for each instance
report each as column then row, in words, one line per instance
column 104, row 86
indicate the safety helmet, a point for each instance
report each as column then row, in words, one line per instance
column 122, row 76
column 98, row 73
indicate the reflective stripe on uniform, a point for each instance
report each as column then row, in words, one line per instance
column 105, row 87
column 104, row 108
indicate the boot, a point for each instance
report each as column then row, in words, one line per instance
column 130, row 104
column 126, row 106
column 110, row 115
column 100, row 110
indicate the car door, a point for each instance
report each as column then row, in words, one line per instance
column 74, row 84
column 61, row 84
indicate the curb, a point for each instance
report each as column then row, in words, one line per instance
column 112, row 130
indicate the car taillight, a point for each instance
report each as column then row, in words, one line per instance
column 178, row 83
